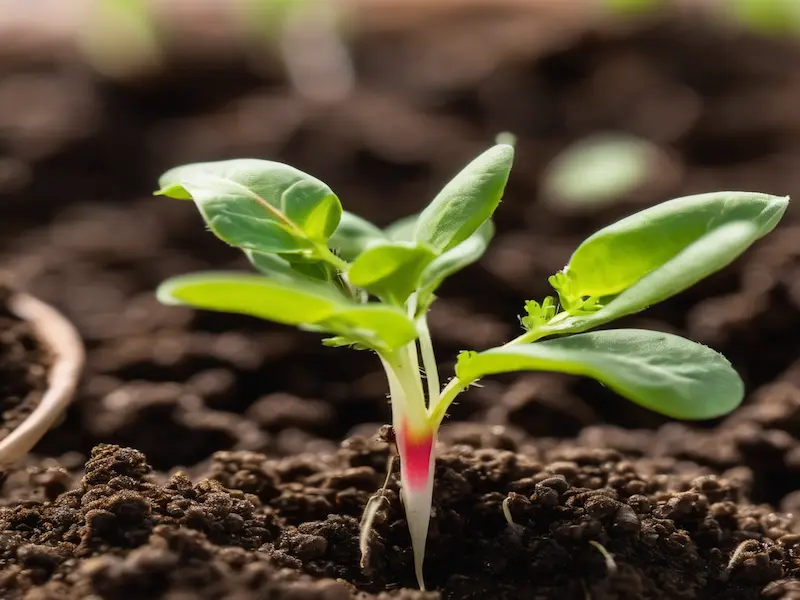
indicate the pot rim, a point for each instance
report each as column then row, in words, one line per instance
column 61, row 337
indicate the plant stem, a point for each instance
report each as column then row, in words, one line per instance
column 324, row 253
column 416, row 443
column 455, row 386
column 429, row 361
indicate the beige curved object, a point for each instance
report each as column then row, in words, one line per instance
column 62, row 339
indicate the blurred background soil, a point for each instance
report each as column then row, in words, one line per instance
column 89, row 120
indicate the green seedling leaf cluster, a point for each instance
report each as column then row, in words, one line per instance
column 322, row 269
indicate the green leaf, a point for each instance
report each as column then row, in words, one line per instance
column 663, row 372
column 403, row 229
column 616, row 257
column 391, row 271
column 696, row 262
column 467, row 201
column 354, row 235
column 288, row 302
column 307, row 304
column 455, row 259
column 257, row 204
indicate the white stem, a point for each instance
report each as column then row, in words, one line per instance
column 411, row 348
column 429, row 361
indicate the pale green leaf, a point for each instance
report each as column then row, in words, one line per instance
column 390, row 271
column 354, row 235
column 288, row 302
column 467, row 201
column 257, row 204
column 663, row 372
column 375, row 325
column 616, row 257
column 306, row 304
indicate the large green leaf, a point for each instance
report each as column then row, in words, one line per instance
column 696, row 262
column 663, row 372
column 467, row 201
column 257, row 204
column 354, row 235
column 391, row 271
column 616, row 257
column 455, row 259
column 306, row 304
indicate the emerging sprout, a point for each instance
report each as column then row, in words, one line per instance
column 329, row 271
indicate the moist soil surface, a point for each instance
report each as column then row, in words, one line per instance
column 215, row 457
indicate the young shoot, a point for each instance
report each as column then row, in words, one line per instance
column 326, row 270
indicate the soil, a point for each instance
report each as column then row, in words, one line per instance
column 204, row 457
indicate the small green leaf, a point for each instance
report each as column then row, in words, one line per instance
column 538, row 314
column 310, row 266
column 455, row 259
column 390, row 271
column 257, row 204
column 403, row 229
column 354, row 235
column 288, row 268
column 287, row 302
column 306, row 304
column 467, row 201
column 663, row 372
column 616, row 257
column 374, row 325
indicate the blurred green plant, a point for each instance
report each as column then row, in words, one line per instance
column 121, row 37
column 599, row 170
column 626, row 7
column 310, row 37
column 768, row 16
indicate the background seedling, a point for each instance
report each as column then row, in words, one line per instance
column 325, row 270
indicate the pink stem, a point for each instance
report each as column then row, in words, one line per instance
column 417, row 458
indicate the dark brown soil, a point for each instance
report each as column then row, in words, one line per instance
column 23, row 368
column 228, row 478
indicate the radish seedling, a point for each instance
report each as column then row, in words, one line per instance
column 329, row 271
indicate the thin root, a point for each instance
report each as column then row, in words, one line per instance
column 611, row 564
column 507, row 513
column 370, row 511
